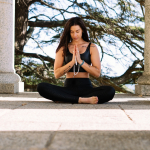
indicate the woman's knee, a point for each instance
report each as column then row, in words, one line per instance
column 110, row 91
column 41, row 86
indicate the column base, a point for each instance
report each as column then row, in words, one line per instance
column 144, row 79
column 10, row 83
column 142, row 89
column 11, row 88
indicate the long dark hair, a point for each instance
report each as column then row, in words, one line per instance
column 66, row 38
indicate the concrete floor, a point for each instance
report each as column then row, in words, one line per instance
column 30, row 122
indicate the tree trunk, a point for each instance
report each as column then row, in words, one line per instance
column 21, row 24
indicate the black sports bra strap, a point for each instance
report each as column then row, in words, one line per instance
column 88, row 48
column 89, row 45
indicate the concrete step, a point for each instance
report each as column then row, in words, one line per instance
column 28, row 121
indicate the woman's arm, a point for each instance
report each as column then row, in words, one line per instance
column 95, row 69
column 59, row 69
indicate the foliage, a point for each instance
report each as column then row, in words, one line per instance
column 115, row 26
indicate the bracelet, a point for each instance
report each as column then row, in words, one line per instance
column 82, row 63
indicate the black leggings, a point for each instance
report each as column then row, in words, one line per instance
column 75, row 88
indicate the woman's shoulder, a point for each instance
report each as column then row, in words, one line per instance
column 93, row 48
column 61, row 48
column 92, row 44
column 60, row 51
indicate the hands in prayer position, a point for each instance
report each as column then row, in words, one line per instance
column 76, row 55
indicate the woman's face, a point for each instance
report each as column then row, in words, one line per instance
column 76, row 33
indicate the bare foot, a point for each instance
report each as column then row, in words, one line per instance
column 88, row 100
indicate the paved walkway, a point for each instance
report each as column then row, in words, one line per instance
column 30, row 122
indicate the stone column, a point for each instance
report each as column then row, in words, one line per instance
column 10, row 82
column 143, row 87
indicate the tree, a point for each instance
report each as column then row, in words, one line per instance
column 116, row 24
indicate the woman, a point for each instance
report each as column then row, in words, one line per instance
column 81, row 59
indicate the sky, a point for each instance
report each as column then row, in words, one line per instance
column 117, row 67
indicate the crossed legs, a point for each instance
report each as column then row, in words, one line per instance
column 99, row 95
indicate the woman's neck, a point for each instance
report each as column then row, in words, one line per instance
column 77, row 42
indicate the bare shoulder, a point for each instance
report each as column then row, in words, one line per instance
column 93, row 48
column 59, row 59
column 60, row 52
column 93, row 45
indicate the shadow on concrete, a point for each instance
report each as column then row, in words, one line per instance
column 128, row 105
column 75, row 140
column 36, row 95
column 23, row 95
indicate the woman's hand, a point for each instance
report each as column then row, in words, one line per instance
column 78, row 58
column 74, row 56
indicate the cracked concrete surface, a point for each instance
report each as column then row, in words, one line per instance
column 30, row 122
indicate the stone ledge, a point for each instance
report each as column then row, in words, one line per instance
column 11, row 88
column 142, row 89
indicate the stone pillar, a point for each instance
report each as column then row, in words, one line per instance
column 143, row 87
column 10, row 82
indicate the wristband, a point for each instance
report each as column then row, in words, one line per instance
column 82, row 63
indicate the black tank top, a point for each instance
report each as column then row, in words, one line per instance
column 85, row 56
